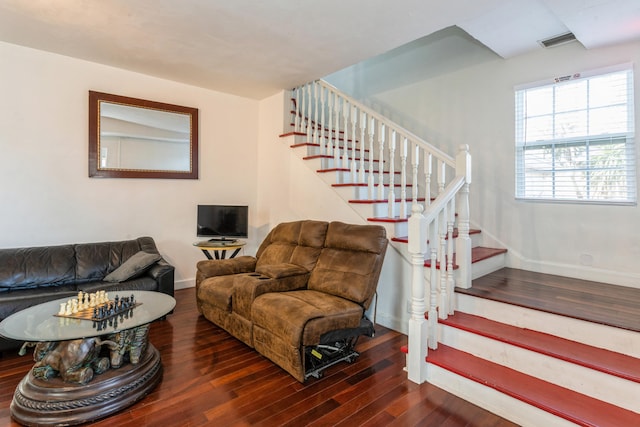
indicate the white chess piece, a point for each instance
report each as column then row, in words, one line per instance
column 63, row 308
column 67, row 310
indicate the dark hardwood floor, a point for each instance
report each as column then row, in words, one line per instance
column 611, row 305
column 211, row 378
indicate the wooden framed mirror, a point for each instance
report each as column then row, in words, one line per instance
column 136, row 138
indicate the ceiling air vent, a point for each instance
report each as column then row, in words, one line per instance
column 558, row 40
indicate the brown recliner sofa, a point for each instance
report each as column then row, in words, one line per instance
column 301, row 300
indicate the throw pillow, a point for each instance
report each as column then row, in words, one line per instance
column 133, row 267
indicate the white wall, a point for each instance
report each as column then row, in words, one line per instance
column 475, row 106
column 46, row 195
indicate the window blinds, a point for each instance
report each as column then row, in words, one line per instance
column 575, row 138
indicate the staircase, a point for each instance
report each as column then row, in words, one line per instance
column 495, row 355
column 374, row 210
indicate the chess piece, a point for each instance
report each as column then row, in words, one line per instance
column 63, row 307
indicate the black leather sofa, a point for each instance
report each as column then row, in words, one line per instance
column 30, row 276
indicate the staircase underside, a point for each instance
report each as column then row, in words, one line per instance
column 610, row 305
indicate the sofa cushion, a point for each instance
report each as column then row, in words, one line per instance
column 143, row 283
column 296, row 242
column 96, row 260
column 25, row 268
column 246, row 287
column 216, row 291
column 349, row 261
column 12, row 302
column 301, row 317
column 135, row 266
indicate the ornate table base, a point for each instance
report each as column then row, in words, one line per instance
column 38, row 402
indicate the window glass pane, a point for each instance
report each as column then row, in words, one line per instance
column 608, row 120
column 539, row 101
column 571, row 125
column 571, row 97
column 608, row 90
column 539, row 129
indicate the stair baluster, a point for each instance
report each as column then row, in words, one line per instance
column 391, row 192
column 298, row 112
column 442, row 254
column 345, row 144
column 336, row 144
column 308, row 114
column 432, row 341
column 450, row 282
column 428, row 161
column 403, row 178
column 323, row 141
column 354, row 158
column 371, row 177
column 315, row 113
column 415, row 164
column 330, row 106
column 381, row 135
column 363, row 129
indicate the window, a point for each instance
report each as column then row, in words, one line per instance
column 575, row 139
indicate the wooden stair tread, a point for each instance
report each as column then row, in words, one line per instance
column 599, row 359
column 371, row 202
column 363, row 184
column 562, row 295
column 478, row 253
column 570, row 405
column 405, row 239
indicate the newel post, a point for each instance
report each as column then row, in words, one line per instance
column 463, row 242
column 417, row 348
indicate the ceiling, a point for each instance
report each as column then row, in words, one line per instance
column 255, row 48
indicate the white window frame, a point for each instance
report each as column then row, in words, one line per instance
column 543, row 181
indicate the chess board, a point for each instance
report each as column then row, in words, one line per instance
column 87, row 314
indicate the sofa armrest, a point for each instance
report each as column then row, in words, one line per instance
column 278, row 271
column 163, row 273
column 224, row 267
column 246, row 288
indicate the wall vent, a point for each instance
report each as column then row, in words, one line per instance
column 558, row 40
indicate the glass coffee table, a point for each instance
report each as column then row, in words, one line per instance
column 86, row 368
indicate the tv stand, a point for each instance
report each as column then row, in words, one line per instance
column 220, row 247
column 222, row 239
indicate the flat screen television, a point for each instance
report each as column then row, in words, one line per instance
column 223, row 222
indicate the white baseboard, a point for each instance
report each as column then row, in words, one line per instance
column 184, row 284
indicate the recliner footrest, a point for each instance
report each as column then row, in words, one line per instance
column 335, row 347
column 321, row 357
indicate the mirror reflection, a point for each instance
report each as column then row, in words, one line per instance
column 137, row 138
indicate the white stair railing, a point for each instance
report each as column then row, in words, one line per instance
column 381, row 152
